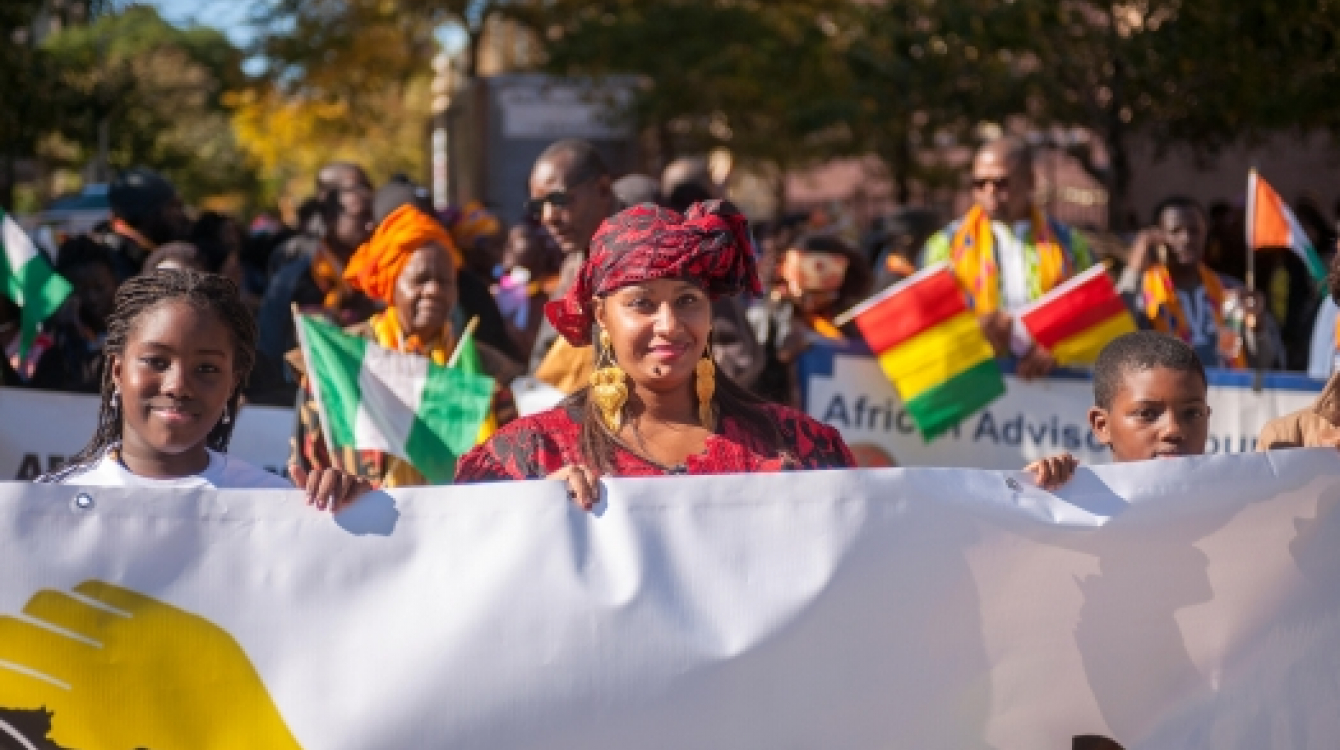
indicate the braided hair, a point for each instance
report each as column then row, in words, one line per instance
column 141, row 294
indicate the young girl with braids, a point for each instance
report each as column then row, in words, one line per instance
column 179, row 348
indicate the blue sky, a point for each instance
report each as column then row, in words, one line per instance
column 230, row 16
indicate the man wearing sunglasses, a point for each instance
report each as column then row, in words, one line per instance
column 1006, row 253
column 570, row 194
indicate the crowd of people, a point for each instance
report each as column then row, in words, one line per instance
column 672, row 324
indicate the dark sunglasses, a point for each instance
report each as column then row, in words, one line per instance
column 1000, row 183
column 534, row 207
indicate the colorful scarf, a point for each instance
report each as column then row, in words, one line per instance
column 121, row 227
column 473, row 222
column 899, row 266
column 328, row 274
column 377, row 263
column 708, row 245
column 824, row 327
column 1164, row 309
column 972, row 254
column 390, row 335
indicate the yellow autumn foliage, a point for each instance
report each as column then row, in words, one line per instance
column 289, row 137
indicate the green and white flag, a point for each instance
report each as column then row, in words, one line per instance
column 27, row 278
column 372, row 398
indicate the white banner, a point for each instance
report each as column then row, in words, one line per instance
column 1174, row 604
column 1032, row 420
column 40, row 430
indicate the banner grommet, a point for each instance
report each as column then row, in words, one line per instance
column 82, row 502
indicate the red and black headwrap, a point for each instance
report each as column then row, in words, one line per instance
column 709, row 245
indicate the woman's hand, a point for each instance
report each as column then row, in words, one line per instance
column 581, row 481
column 1144, row 251
column 1327, row 437
column 329, row 489
column 1253, row 304
column 1038, row 363
column 1053, row 471
column 996, row 327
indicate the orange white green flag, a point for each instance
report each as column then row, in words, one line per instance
column 1077, row 319
column 1270, row 225
column 931, row 347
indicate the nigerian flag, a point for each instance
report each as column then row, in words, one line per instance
column 27, row 278
column 466, row 359
column 371, row 398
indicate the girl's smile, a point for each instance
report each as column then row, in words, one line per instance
column 174, row 413
column 175, row 378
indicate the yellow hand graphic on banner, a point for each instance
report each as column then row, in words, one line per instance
column 147, row 675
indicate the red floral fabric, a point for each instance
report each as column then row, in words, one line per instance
column 536, row 446
column 710, row 245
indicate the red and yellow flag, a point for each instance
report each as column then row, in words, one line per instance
column 1077, row 319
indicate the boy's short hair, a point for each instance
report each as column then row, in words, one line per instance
column 1141, row 350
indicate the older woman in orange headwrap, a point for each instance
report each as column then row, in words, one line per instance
column 409, row 265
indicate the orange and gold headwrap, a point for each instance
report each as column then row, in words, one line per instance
column 378, row 262
column 475, row 221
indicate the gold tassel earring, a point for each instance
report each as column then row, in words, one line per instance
column 609, row 392
column 706, row 385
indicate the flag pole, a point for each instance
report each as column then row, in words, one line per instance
column 325, row 433
column 465, row 335
column 1247, row 225
column 1249, row 319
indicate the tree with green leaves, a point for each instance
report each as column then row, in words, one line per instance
column 756, row 78
column 1198, row 75
column 25, row 85
column 783, row 84
column 154, row 94
column 922, row 70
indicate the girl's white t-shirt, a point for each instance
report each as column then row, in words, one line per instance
column 223, row 473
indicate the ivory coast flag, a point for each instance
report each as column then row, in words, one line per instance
column 27, row 279
column 1270, row 224
column 1077, row 319
column 371, row 398
column 931, row 347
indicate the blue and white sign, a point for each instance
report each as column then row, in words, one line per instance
column 844, row 387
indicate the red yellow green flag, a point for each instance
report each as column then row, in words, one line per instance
column 931, row 347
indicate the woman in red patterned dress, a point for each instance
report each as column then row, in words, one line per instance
column 656, row 404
